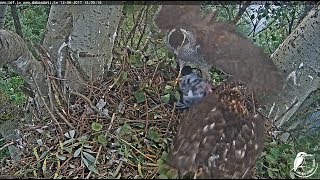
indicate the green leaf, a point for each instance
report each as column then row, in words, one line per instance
column 163, row 176
column 84, row 161
column 172, row 174
column 77, row 152
column 165, row 98
column 153, row 135
column 136, row 60
column 139, row 96
column 96, row 126
column 167, row 89
column 83, row 138
column 126, row 152
column 102, row 140
column 92, row 168
column 89, row 157
column 128, row 8
column 62, row 158
column 68, row 141
column 88, row 150
column 164, row 156
column 125, row 129
column 177, row 95
column 70, row 134
column 270, row 158
column 68, row 149
column 275, row 152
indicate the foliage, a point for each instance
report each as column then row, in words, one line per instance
column 277, row 159
column 11, row 85
column 265, row 24
column 33, row 21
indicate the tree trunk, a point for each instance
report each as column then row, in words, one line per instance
column 79, row 41
column 14, row 52
column 298, row 58
column 16, row 20
column 89, row 33
column 3, row 12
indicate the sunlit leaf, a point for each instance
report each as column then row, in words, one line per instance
column 83, row 138
column 70, row 134
column 89, row 157
column 44, row 154
column 77, row 152
column 62, row 158
column 84, row 161
column 68, row 149
column 165, row 98
column 88, row 150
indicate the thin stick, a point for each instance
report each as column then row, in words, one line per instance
column 147, row 113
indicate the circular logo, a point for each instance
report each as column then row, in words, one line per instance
column 304, row 165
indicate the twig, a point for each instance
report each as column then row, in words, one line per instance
column 88, row 101
column 240, row 12
column 63, row 118
column 155, row 71
column 132, row 147
column 6, row 145
column 46, row 106
column 133, row 30
column 144, row 27
column 147, row 113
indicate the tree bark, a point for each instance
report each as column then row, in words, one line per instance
column 16, row 20
column 298, row 58
column 14, row 52
column 89, row 33
column 3, row 12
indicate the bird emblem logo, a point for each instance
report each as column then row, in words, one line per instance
column 304, row 167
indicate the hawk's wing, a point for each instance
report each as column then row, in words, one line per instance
column 218, row 139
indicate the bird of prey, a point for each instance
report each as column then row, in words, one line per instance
column 220, row 46
column 192, row 88
column 183, row 45
column 219, row 137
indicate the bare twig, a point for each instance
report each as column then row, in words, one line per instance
column 240, row 12
column 88, row 101
column 144, row 27
column 133, row 30
column 147, row 113
column 46, row 106
column 6, row 145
